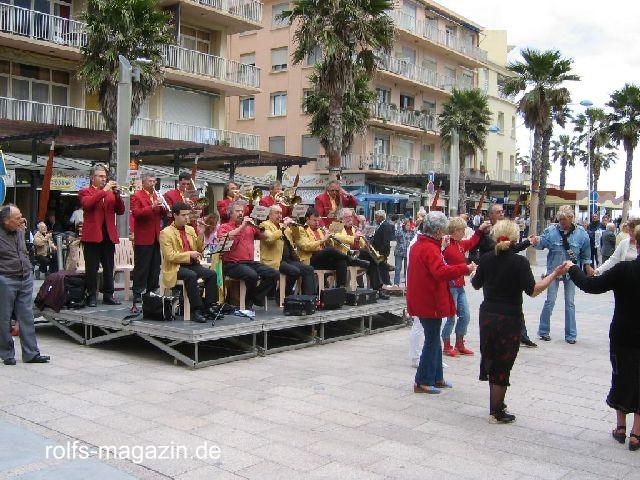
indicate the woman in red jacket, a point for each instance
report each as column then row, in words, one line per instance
column 429, row 299
column 454, row 254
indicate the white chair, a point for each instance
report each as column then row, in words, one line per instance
column 353, row 273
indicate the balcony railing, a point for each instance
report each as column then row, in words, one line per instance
column 411, row 118
column 385, row 163
column 42, row 26
column 417, row 74
column 248, row 9
column 28, row 111
column 199, row 63
column 442, row 37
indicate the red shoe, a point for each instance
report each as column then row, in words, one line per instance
column 448, row 350
column 461, row 348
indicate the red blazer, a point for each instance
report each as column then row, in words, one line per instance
column 173, row 196
column 428, row 278
column 454, row 253
column 323, row 205
column 146, row 224
column 269, row 201
column 99, row 207
column 223, row 205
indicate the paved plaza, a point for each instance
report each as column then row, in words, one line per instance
column 339, row 411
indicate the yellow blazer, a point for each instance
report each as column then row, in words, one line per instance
column 307, row 244
column 272, row 245
column 344, row 237
column 172, row 254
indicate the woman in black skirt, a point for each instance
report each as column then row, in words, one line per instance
column 624, row 340
column 503, row 276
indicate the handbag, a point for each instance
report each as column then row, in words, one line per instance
column 159, row 307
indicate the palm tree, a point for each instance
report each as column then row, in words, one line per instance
column 467, row 113
column 348, row 34
column 536, row 78
column 624, row 127
column 563, row 150
column 599, row 150
column 133, row 29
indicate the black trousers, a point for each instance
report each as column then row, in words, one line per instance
column 332, row 259
column 96, row 254
column 250, row 273
column 293, row 270
column 365, row 260
column 190, row 274
column 146, row 269
column 47, row 264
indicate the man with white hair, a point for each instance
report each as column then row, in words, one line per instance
column 565, row 241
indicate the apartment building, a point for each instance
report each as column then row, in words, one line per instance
column 40, row 43
column 435, row 50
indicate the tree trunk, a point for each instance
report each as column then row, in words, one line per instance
column 335, row 135
column 462, row 192
column 544, row 173
column 535, row 189
column 626, row 206
column 563, row 172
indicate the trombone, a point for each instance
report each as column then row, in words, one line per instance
column 288, row 198
column 201, row 202
column 353, row 254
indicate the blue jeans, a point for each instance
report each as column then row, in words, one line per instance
column 570, row 331
column 430, row 367
column 462, row 309
column 400, row 262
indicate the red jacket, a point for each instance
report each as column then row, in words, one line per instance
column 428, row 278
column 223, row 205
column 173, row 196
column 323, row 206
column 99, row 207
column 454, row 253
column 146, row 224
column 269, row 201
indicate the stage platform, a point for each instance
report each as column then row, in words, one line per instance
column 199, row 345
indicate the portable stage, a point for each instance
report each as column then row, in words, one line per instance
column 199, row 345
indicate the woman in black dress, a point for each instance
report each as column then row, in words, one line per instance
column 624, row 340
column 503, row 276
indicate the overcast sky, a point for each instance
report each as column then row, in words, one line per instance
column 602, row 39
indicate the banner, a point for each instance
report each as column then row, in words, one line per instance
column 69, row 180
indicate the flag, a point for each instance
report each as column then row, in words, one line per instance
column 46, row 185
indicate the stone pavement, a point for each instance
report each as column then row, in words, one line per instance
column 344, row 410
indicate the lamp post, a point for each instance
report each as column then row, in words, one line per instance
column 454, row 173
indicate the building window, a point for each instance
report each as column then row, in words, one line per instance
column 500, row 162
column 513, row 127
column 276, row 145
column 310, row 146
column 248, row 58
column 383, row 95
column 430, row 64
column 501, row 123
column 247, row 107
column 33, row 83
column 278, row 104
column 314, row 57
column 305, row 95
column 408, row 55
column 407, row 102
column 194, row 39
column 276, row 11
column 279, row 58
column 429, row 106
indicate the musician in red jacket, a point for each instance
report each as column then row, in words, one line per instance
column 330, row 202
column 101, row 202
column 231, row 194
column 274, row 189
column 178, row 193
column 147, row 210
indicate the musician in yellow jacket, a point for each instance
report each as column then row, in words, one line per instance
column 351, row 236
column 312, row 244
column 278, row 250
column 181, row 251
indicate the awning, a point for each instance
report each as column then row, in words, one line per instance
column 382, row 198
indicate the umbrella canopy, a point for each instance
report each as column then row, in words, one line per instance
column 382, row 197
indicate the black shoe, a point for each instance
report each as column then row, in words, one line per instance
column 571, row 342
column 546, row 338
column 197, row 316
column 137, row 298
column 110, row 301
column 9, row 361
column 501, row 416
column 39, row 359
column 528, row 343
column 91, row 301
column 382, row 295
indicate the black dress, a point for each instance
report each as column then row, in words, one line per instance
column 503, row 278
column 624, row 332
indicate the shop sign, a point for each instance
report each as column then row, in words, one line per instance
column 69, row 180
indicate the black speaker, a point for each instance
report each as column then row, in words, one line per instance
column 332, row 298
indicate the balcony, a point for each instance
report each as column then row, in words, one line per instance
column 385, row 163
column 28, row 111
column 40, row 32
column 508, row 176
column 193, row 67
column 442, row 38
column 388, row 113
column 422, row 76
column 236, row 15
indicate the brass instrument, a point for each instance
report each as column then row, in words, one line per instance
column 199, row 201
column 377, row 257
column 250, row 194
column 129, row 189
column 288, row 198
column 353, row 254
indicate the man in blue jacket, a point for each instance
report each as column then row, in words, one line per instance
column 565, row 241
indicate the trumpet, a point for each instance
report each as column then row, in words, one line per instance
column 288, row 198
column 130, row 189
